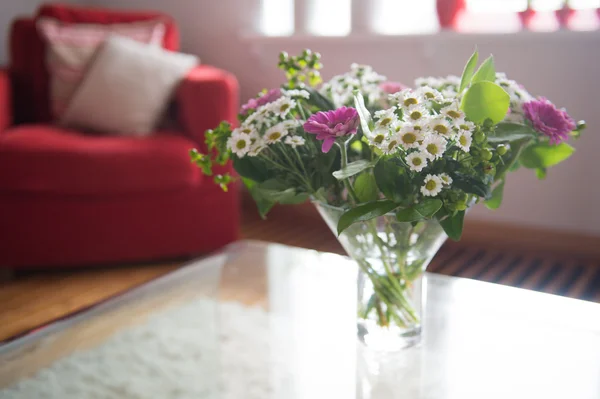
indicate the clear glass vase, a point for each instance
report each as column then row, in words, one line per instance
column 392, row 257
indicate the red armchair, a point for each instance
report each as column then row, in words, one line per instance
column 69, row 199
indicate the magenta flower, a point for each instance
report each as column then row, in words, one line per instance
column 392, row 87
column 548, row 120
column 266, row 98
column 330, row 125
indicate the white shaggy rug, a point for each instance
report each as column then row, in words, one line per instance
column 175, row 355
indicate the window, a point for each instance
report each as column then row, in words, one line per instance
column 400, row 17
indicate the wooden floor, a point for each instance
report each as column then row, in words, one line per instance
column 31, row 299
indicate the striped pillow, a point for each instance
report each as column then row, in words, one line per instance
column 70, row 48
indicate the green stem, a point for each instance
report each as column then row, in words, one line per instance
column 347, row 184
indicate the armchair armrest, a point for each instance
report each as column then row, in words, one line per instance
column 206, row 97
column 5, row 100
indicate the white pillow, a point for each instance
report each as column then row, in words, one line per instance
column 127, row 87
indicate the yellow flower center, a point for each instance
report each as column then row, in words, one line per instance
column 417, row 161
column 464, row 127
column 430, row 185
column 247, row 131
column 417, row 127
column 274, row 135
column 416, row 115
column 453, row 114
column 284, row 107
column 410, row 101
column 409, row 138
column 441, row 129
column 432, row 148
column 429, row 95
column 241, row 144
column 392, row 144
column 379, row 138
column 462, row 140
column 385, row 121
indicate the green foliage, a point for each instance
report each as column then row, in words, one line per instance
column 252, row 168
column 486, row 72
column 392, row 180
column 424, row 209
column 470, row 184
column 216, row 139
column 365, row 187
column 263, row 204
column 541, row 173
column 366, row 122
column 365, row 212
column 544, row 155
column 495, row 199
column 353, row 168
column 222, row 181
column 511, row 161
column 485, row 100
column 318, row 100
column 203, row 161
column 453, row 224
column 509, row 132
column 468, row 72
column 302, row 69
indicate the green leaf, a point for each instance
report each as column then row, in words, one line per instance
column 365, row 212
column 277, row 191
column 485, row 100
column 425, row 209
column 541, row 173
column 495, row 199
column 263, row 204
column 486, row 72
column 468, row 71
column 353, row 168
column 470, row 184
column 366, row 121
column 544, row 155
column 251, row 168
column 506, row 132
column 365, row 187
column 318, row 100
column 453, row 225
column 392, row 180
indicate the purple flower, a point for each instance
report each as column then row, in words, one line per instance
column 332, row 124
column 392, row 87
column 266, row 98
column 547, row 119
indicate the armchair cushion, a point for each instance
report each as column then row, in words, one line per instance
column 51, row 160
column 206, row 96
column 5, row 100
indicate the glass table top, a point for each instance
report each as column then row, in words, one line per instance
column 260, row 320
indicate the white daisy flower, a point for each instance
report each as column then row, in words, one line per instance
column 441, row 126
column 409, row 137
column 431, row 186
column 417, row 161
column 428, row 81
column 453, row 80
column 390, row 145
column 449, row 93
column 256, row 148
column 386, row 117
column 464, row 140
column 415, row 114
column 296, row 93
column 294, row 141
column 434, row 146
column 378, row 136
column 275, row 134
column 291, row 123
column 239, row 144
column 446, row 179
column 453, row 112
column 406, row 98
column 466, row 126
column 282, row 106
column 429, row 93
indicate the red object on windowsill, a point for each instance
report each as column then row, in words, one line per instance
column 526, row 17
column 448, row 12
column 564, row 16
column 69, row 199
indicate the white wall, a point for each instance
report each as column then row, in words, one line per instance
column 561, row 65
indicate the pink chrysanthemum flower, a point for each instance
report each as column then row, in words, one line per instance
column 549, row 120
column 330, row 125
column 266, row 98
column 392, row 87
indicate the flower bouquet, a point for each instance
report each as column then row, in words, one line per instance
column 391, row 169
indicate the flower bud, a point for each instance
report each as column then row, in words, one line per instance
column 501, row 150
column 479, row 137
column 486, row 154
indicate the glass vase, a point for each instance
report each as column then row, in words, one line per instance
column 392, row 257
